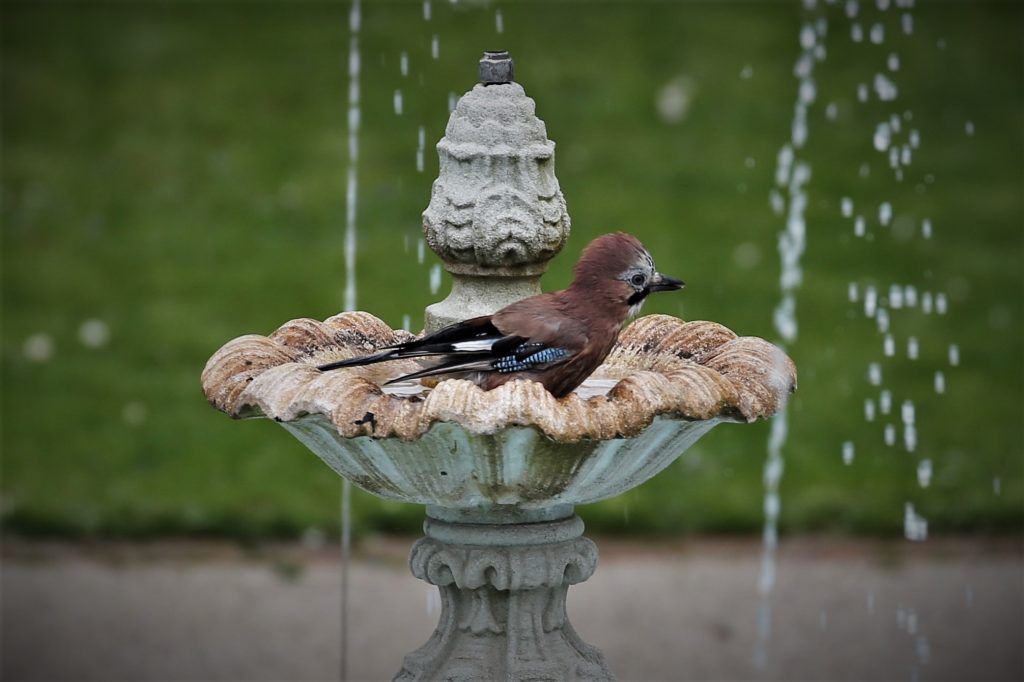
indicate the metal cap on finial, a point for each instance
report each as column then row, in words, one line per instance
column 496, row 68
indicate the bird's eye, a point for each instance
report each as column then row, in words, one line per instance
column 637, row 280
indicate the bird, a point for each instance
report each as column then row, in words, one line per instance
column 557, row 339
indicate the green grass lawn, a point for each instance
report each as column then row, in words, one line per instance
column 177, row 171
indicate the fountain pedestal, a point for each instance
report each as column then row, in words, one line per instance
column 500, row 471
column 503, row 595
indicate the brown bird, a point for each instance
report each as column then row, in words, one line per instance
column 557, row 339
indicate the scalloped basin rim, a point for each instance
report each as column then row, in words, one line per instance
column 661, row 365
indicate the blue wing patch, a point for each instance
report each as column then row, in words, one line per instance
column 527, row 356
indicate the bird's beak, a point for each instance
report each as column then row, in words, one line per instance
column 665, row 283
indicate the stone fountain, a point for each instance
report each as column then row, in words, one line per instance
column 499, row 471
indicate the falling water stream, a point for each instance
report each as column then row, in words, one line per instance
column 351, row 203
column 890, row 408
column 791, row 175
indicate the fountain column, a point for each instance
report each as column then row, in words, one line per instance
column 503, row 590
column 496, row 217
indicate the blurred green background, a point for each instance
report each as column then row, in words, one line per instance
column 174, row 176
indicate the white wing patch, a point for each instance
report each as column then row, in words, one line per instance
column 474, row 345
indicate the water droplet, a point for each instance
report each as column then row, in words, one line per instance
column 870, row 301
column 94, row 333
column 419, row 161
column 851, row 8
column 941, row 303
column 435, row 278
column 848, row 453
column 997, row 485
column 924, row 473
column 807, row 36
column 421, row 247
column 893, row 61
column 435, row 47
column 915, row 142
column 883, row 136
column 406, row 322
column 499, row 22
column 749, row 162
column 875, row 374
column 846, row 207
column 831, row 111
column 940, row 382
column 398, row 102
column 896, row 296
column 865, row 170
column 915, row 527
column 856, row 32
column 911, row 622
column 905, row 155
column 885, row 88
column 910, row 437
column 926, row 303
column 453, row 101
column 869, row 409
column 954, row 355
column 885, row 401
column 860, row 226
column 877, row 34
column 926, row 228
column 907, row 22
column 890, row 434
column 673, row 100
column 889, row 346
column 882, row 317
column 747, row 72
column 403, row 63
column 912, row 348
column 923, row 649
column 851, row 292
column 38, row 347
column 882, row 4
column 777, row 202
column 426, row 10
column 969, row 128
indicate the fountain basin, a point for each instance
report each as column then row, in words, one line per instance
column 514, row 452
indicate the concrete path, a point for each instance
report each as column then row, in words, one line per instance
column 840, row 610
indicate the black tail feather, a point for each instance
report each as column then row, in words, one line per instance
column 361, row 360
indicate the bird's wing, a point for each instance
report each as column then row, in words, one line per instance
column 526, row 336
column 462, row 342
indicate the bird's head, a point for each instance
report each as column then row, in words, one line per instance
column 618, row 267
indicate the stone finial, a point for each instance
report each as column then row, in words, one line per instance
column 496, row 67
column 496, row 214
